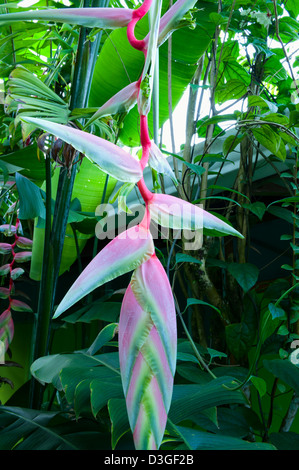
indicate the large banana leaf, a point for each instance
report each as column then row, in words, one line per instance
column 25, row 429
column 119, row 64
column 88, row 189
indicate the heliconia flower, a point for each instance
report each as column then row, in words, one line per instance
column 23, row 242
column 15, row 273
column 170, row 20
column 20, row 306
column 109, row 18
column 147, row 352
column 8, row 229
column 4, row 269
column 121, row 102
column 5, row 248
column 23, row 256
column 4, row 293
column 6, row 328
column 173, row 212
column 109, row 157
column 123, row 254
column 157, row 161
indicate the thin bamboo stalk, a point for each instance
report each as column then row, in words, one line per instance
column 54, row 237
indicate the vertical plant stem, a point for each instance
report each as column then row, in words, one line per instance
column 190, row 124
column 40, row 329
column 85, row 61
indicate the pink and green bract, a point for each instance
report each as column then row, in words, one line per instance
column 147, row 352
column 147, row 325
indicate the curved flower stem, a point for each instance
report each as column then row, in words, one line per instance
column 137, row 15
column 144, row 133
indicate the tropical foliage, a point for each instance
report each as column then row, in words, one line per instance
column 182, row 340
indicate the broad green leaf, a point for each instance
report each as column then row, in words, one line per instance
column 293, row 7
column 232, row 90
column 246, row 274
column 26, row 162
column 118, row 65
column 238, row 337
column 191, row 301
column 199, row 440
column 184, row 258
column 230, row 143
column 259, row 384
column 270, row 139
column 97, row 310
column 22, row 81
column 188, row 400
column 31, row 201
column 105, row 335
column 285, row 371
column 282, row 213
column 186, row 357
column 257, row 208
column 256, row 100
column 276, row 312
column 119, row 419
column 285, row 440
column 241, row 336
column 102, row 391
column 29, row 430
column 26, row 429
column 276, row 118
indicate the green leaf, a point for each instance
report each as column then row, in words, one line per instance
column 246, row 274
column 285, row 371
column 184, row 258
column 31, row 201
column 232, row 90
column 292, row 7
column 285, row 440
column 230, row 143
column 105, row 335
column 255, row 100
column 186, row 357
column 119, row 419
column 189, row 400
column 213, row 353
column 119, row 64
column 102, row 391
column 259, row 384
column 238, row 338
column 257, row 208
column 191, row 301
column 47, row 369
column 282, row 213
column 199, row 440
column 26, row 429
column 26, row 162
column 270, row 139
column 294, row 118
column 276, row 312
column 97, row 310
